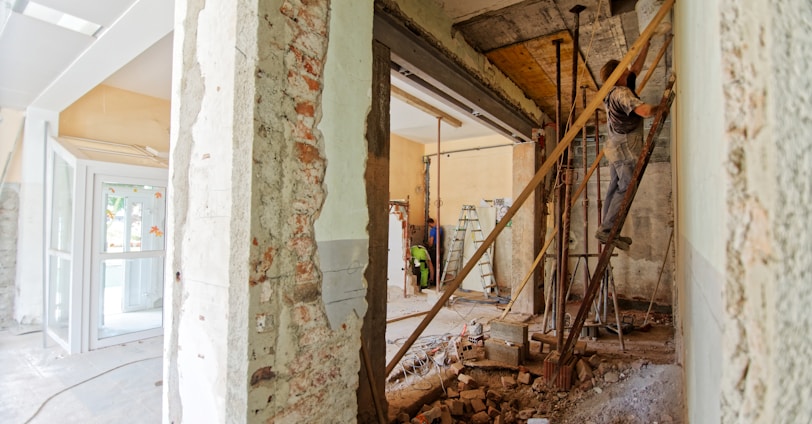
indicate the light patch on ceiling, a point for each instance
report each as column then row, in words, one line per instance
column 59, row 18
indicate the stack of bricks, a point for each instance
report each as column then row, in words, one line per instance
column 508, row 343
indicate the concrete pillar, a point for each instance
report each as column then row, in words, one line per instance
column 524, row 232
column 39, row 124
column 267, row 233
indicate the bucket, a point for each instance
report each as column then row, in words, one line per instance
column 647, row 10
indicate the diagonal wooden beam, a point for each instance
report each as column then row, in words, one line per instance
column 425, row 107
column 655, row 63
column 534, row 182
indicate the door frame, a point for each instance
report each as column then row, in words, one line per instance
column 135, row 175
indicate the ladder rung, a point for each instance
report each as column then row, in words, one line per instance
column 486, row 275
column 490, row 286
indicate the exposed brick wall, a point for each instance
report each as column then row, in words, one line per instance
column 298, row 365
column 9, row 214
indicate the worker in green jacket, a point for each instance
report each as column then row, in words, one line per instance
column 421, row 263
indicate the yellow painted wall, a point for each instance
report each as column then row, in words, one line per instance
column 9, row 129
column 406, row 176
column 111, row 114
column 468, row 177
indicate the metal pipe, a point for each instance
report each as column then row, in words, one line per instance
column 530, row 187
column 598, row 173
column 599, row 206
column 471, row 149
column 586, row 200
column 565, row 189
column 427, row 197
column 559, row 208
column 436, row 264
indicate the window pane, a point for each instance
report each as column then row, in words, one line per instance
column 132, row 296
column 114, row 224
column 59, row 296
column 135, row 218
column 61, row 205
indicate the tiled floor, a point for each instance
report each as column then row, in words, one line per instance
column 119, row 384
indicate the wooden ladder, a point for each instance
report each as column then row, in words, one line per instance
column 609, row 247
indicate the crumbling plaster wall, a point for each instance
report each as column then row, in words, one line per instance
column 766, row 56
column 9, row 214
column 248, row 335
column 744, row 157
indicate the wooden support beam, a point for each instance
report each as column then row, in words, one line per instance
column 534, row 182
column 655, row 63
column 410, row 99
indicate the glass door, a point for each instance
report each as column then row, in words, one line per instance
column 128, row 261
column 59, row 249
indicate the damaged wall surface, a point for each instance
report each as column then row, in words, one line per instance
column 9, row 214
column 766, row 55
column 250, row 338
column 743, row 156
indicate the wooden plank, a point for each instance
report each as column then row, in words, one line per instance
column 425, row 107
column 521, row 67
column 376, row 176
column 531, row 65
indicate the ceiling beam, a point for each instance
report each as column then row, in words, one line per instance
column 138, row 28
column 425, row 107
column 431, row 65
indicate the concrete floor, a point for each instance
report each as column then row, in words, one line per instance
column 122, row 384
column 118, row 384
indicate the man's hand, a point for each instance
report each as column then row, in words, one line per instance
column 646, row 110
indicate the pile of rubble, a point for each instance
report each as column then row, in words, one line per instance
column 506, row 397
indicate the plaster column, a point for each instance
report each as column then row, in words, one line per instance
column 39, row 124
column 249, row 337
column 524, row 231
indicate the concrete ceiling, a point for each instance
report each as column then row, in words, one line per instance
column 517, row 37
column 42, row 65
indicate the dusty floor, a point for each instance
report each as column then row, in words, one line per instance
column 639, row 385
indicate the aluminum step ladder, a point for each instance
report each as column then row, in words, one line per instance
column 453, row 262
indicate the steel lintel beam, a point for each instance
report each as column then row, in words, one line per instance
column 429, row 67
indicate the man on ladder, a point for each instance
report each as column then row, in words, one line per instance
column 624, row 120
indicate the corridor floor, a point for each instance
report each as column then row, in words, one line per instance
column 118, row 384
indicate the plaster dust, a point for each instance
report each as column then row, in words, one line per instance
column 640, row 385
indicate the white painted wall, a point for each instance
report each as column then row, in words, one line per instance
column 341, row 228
column 11, row 122
column 28, row 303
column 699, row 155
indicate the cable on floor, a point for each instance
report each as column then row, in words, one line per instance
column 83, row 382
